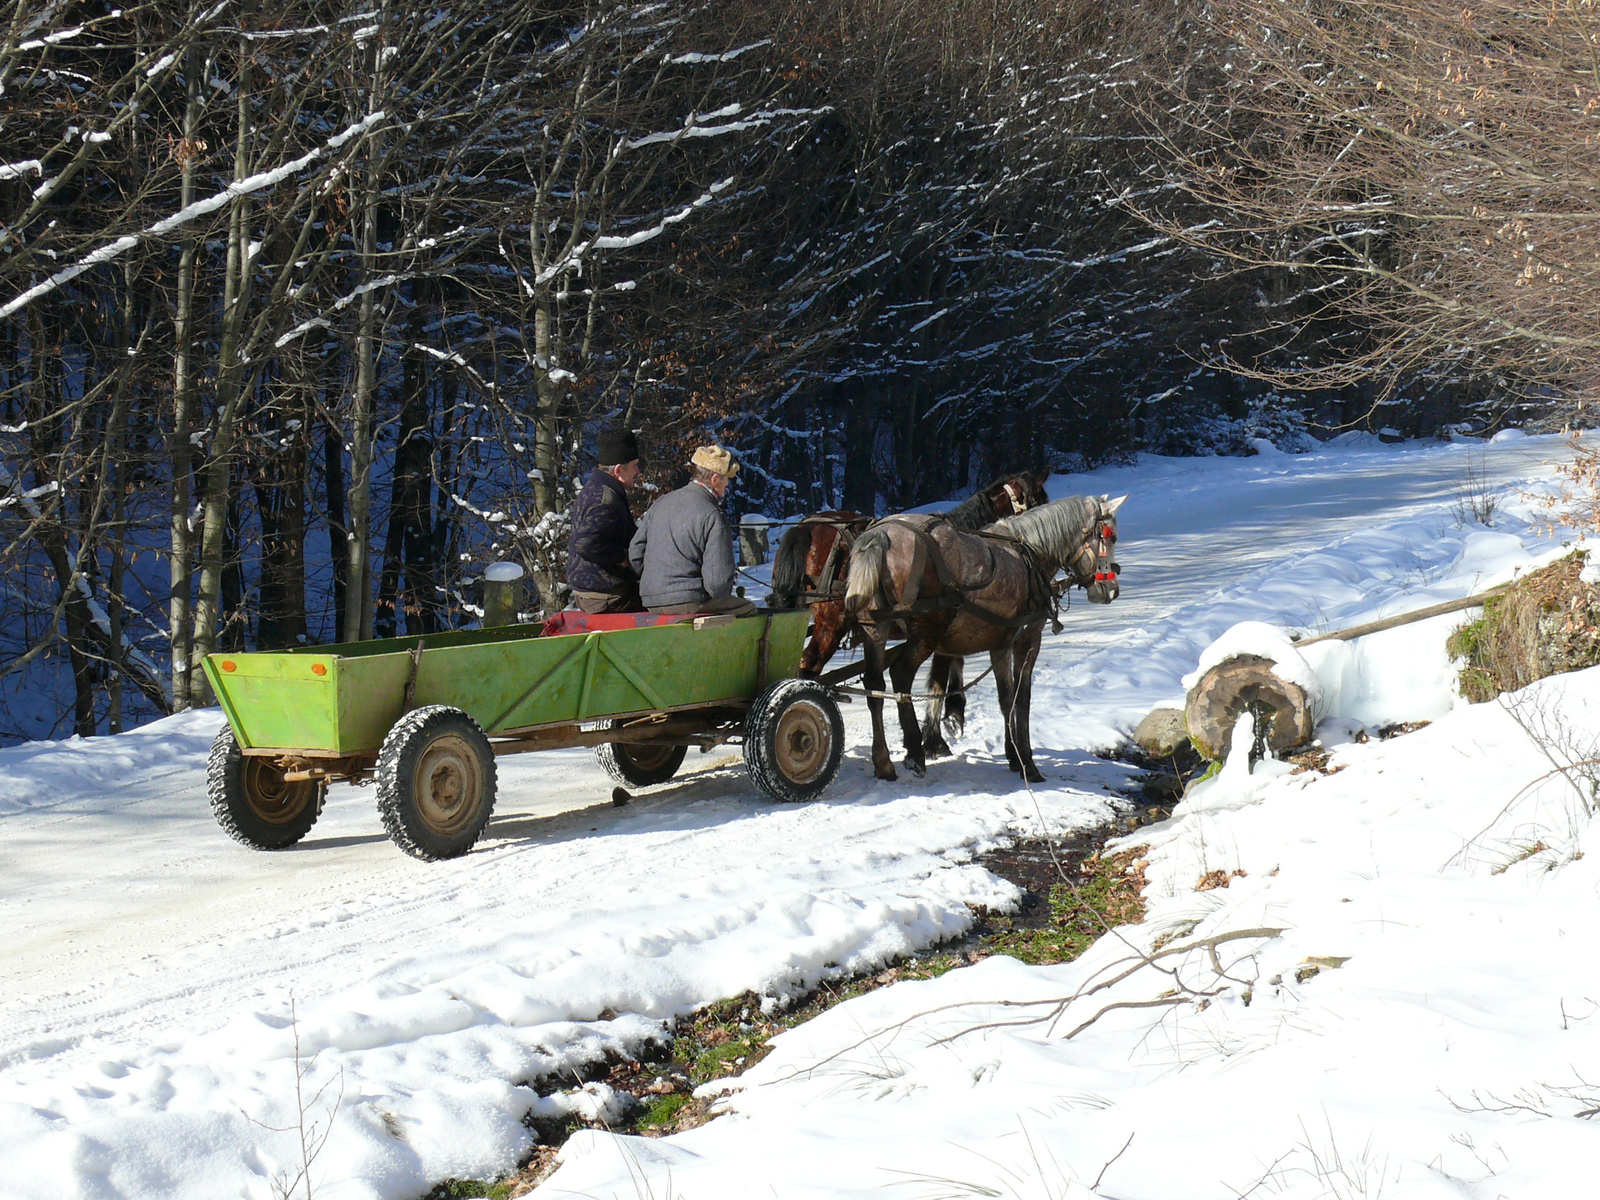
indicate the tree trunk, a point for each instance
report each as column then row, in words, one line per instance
column 338, row 532
column 358, row 610
column 230, row 391
column 180, row 552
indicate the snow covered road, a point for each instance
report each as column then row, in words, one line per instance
column 148, row 963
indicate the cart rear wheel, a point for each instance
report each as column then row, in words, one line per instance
column 436, row 782
column 252, row 801
column 640, row 766
column 794, row 739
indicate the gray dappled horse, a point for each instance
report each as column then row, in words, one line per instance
column 813, row 559
column 953, row 593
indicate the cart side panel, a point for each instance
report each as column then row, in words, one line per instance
column 483, row 680
column 661, row 667
column 275, row 700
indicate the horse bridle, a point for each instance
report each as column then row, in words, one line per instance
column 1106, row 568
column 1018, row 498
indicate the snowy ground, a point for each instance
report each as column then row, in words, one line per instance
column 149, row 964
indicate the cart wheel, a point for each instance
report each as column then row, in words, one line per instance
column 251, row 800
column 794, row 739
column 435, row 782
column 640, row 766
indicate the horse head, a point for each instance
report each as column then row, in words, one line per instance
column 1018, row 493
column 1094, row 565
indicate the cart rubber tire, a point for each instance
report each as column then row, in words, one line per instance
column 794, row 739
column 640, row 766
column 436, row 782
column 253, row 803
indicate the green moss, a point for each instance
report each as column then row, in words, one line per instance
column 661, row 1111
column 461, row 1189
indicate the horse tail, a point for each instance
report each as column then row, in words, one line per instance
column 869, row 561
column 789, row 567
column 955, row 699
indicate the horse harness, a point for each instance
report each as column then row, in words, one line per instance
column 829, row 585
column 1044, row 595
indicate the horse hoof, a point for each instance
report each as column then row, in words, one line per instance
column 936, row 750
column 887, row 776
column 1033, row 775
column 916, row 768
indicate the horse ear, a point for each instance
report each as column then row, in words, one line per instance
column 1043, row 474
column 1108, row 508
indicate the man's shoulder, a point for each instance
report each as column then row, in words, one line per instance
column 689, row 497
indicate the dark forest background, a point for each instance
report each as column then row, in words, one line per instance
column 308, row 311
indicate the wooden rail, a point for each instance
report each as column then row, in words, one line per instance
column 1421, row 614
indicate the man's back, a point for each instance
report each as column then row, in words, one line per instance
column 683, row 552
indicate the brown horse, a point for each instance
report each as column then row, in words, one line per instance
column 952, row 593
column 813, row 559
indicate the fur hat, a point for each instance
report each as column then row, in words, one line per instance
column 616, row 447
column 715, row 458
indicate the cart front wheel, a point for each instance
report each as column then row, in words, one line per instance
column 640, row 766
column 253, row 802
column 436, row 782
column 794, row 739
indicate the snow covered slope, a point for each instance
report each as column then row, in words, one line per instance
column 149, row 965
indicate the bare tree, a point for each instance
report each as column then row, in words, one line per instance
column 1423, row 171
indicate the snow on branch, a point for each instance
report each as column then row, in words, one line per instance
column 188, row 213
column 693, row 129
column 627, row 241
column 729, row 56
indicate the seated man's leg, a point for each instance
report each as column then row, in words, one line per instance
column 734, row 605
column 608, row 602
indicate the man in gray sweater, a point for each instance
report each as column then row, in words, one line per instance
column 683, row 552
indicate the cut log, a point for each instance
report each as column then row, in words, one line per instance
column 1245, row 682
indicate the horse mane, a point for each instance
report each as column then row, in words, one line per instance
column 1056, row 529
column 978, row 509
column 789, row 567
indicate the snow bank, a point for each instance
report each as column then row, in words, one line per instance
column 1412, row 1015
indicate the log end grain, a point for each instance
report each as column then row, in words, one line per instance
column 1214, row 704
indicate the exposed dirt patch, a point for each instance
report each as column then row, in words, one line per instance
column 1072, row 893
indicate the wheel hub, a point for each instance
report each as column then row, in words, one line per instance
column 271, row 797
column 448, row 785
column 802, row 740
column 648, row 758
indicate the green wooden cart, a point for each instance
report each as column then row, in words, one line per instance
column 424, row 718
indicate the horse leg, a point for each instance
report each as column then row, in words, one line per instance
column 933, row 743
column 902, row 675
column 873, row 651
column 827, row 626
column 1026, row 652
column 1005, row 687
column 955, row 701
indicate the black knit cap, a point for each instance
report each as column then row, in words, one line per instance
column 616, row 446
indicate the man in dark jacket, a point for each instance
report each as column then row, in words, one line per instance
column 683, row 552
column 598, row 571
